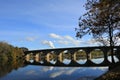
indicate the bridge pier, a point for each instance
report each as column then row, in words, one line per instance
column 60, row 57
column 49, row 57
column 88, row 56
column 27, row 57
column 37, row 57
column 106, row 61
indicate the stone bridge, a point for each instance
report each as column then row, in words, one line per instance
column 72, row 57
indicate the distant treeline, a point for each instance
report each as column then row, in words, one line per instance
column 9, row 52
column 10, row 58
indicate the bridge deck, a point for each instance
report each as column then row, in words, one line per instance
column 72, row 48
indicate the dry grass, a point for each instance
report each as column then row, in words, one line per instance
column 113, row 74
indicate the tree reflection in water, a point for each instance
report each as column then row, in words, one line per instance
column 7, row 66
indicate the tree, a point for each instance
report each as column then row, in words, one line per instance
column 102, row 20
column 9, row 52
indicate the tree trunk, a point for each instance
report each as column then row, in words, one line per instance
column 111, row 43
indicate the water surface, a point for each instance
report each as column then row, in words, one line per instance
column 12, row 71
column 31, row 72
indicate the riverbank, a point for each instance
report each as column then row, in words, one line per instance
column 113, row 74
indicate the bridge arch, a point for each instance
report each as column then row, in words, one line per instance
column 79, row 56
column 65, row 57
column 114, row 56
column 97, row 56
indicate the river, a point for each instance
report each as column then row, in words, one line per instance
column 20, row 71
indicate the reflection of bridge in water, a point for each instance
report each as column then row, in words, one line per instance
column 70, row 57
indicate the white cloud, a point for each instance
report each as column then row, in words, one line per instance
column 48, row 43
column 90, row 42
column 66, row 40
column 69, row 41
column 63, row 42
column 30, row 38
column 97, row 42
column 69, row 38
column 55, row 36
column 72, row 40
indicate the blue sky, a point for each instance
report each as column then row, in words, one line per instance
column 41, row 24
